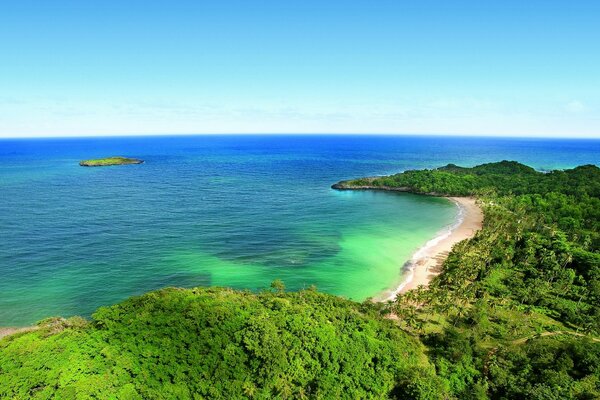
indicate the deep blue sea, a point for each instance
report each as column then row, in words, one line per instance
column 228, row 210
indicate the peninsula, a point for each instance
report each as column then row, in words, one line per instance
column 109, row 161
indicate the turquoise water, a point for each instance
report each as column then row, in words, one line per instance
column 234, row 211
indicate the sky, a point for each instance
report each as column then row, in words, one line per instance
column 514, row 68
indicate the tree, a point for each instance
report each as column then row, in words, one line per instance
column 278, row 285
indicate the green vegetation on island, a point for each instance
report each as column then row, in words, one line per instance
column 515, row 314
column 108, row 161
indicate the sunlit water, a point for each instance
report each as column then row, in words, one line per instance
column 235, row 211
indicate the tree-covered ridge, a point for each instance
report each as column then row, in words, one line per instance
column 218, row 343
column 534, row 268
column 501, row 178
column 541, row 237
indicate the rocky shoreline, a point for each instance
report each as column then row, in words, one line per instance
column 343, row 185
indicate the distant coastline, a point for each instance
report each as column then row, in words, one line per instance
column 110, row 161
column 347, row 185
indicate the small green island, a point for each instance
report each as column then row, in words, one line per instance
column 514, row 314
column 110, row 161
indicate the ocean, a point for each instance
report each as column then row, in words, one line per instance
column 225, row 210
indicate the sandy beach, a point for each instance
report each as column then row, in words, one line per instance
column 427, row 261
column 10, row 331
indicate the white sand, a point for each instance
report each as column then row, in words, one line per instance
column 427, row 261
column 10, row 331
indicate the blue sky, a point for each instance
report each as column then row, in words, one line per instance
column 524, row 68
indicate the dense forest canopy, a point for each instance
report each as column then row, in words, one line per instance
column 534, row 269
column 217, row 343
column 515, row 314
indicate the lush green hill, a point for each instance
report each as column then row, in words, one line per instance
column 218, row 343
column 541, row 237
column 501, row 178
column 533, row 270
column 515, row 314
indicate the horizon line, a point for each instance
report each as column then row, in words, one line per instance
column 180, row 134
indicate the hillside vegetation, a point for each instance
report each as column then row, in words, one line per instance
column 515, row 314
column 533, row 270
column 218, row 343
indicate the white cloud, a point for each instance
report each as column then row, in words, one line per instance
column 452, row 115
column 575, row 107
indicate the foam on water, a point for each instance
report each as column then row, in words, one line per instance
column 424, row 252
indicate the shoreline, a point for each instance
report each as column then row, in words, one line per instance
column 427, row 261
column 423, row 265
column 7, row 331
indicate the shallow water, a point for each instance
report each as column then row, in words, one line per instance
column 234, row 211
